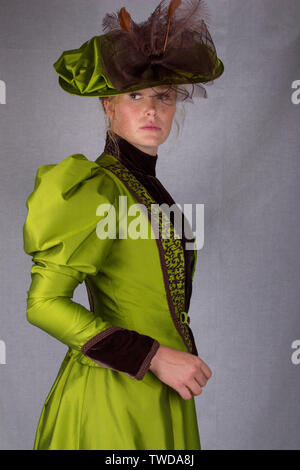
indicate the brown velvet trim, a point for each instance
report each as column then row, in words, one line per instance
column 100, row 336
column 122, row 350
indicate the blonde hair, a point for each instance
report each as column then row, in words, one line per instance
column 108, row 128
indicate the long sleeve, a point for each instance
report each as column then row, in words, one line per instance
column 60, row 233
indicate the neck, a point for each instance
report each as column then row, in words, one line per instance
column 132, row 156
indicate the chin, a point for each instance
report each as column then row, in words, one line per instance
column 153, row 138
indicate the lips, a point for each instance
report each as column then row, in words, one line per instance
column 150, row 126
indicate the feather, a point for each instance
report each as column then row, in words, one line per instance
column 191, row 18
column 174, row 4
column 135, row 54
column 180, row 19
column 110, row 22
column 154, row 27
column 172, row 7
column 147, row 36
column 125, row 19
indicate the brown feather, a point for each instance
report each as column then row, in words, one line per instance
column 190, row 18
column 125, row 19
column 172, row 7
column 155, row 25
column 168, row 26
column 110, row 22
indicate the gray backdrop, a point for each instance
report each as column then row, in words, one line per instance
column 238, row 154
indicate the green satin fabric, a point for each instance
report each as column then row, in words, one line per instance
column 81, row 71
column 90, row 406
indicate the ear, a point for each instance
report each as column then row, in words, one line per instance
column 108, row 106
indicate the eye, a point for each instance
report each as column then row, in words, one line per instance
column 134, row 94
column 165, row 95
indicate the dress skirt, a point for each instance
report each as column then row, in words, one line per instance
column 94, row 408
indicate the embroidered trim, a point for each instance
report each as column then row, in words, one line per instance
column 170, row 249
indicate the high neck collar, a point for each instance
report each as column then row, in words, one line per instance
column 134, row 158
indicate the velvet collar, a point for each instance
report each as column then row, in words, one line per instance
column 133, row 158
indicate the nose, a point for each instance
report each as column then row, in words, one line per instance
column 150, row 107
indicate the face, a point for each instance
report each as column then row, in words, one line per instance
column 131, row 113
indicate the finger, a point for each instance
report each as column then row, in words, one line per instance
column 205, row 369
column 200, row 378
column 185, row 393
column 194, row 386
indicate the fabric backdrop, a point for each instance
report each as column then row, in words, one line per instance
column 238, row 154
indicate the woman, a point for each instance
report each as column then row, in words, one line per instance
column 132, row 369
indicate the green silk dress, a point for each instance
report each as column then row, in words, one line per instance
column 104, row 395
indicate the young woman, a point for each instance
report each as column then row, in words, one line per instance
column 132, row 368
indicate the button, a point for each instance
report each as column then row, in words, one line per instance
column 184, row 318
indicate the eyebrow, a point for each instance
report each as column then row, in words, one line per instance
column 154, row 93
column 162, row 90
column 165, row 91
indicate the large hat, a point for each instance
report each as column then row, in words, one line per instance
column 172, row 47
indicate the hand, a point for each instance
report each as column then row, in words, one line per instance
column 184, row 372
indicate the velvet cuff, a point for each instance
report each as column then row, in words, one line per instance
column 122, row 350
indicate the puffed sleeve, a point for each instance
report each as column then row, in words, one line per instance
column 60, row 233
